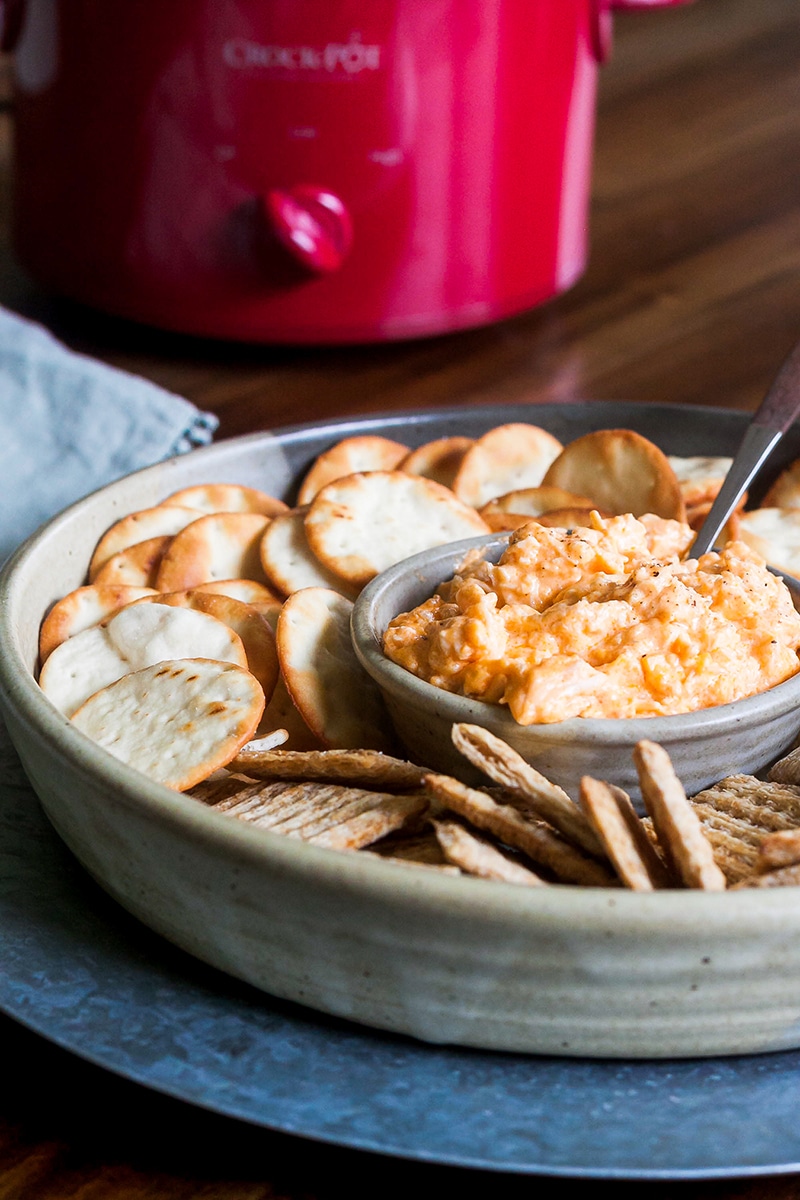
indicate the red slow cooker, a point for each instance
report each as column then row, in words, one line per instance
column 306, row 170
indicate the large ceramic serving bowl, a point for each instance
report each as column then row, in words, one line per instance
column 557, row 970
column 704, row 746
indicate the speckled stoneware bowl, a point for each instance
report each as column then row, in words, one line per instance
column 557, row 970
column 704, row 746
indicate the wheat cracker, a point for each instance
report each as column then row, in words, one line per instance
column 623, row 836
column 222, row 785
column 781, row 877
column 295, row 806
column 332, row 815
column 477, row 856
column 365, row 768
column 680, row 835
column 299, row 808
column 495, row 758
column 786, row 769
column 534, row 838
column 779, row 849
column 391, row 813
column 738, row 812
column 420, row 846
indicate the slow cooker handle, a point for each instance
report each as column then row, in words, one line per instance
column 601, row 20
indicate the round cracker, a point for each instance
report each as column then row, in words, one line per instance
column 331, row 690
column 774, row 533
column 137, row 566
column 569, row 518
column 262, row 598
column 364, row 523
column 536, row 500
column 439, row 460
column 785, row 491
column 82, row 608
column 621, row 472
column 504, row 522
column 700, row 476
column 210, row 498
column 217, row 546
column 135, row 637
column 730, row 532
column 515, row 508
column 289, row 562
column 159, row 521
column 177, row 721
column 248, row 624
column 506, row 458
column 283, row 713
column 365, row 452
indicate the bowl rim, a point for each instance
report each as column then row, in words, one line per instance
column 363, row 873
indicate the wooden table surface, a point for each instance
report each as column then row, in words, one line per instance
column 692, row 296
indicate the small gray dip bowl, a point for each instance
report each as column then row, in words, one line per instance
column 704, row 746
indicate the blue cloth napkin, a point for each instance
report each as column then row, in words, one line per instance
column 70, row 424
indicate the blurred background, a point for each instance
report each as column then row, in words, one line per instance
column 690, row 293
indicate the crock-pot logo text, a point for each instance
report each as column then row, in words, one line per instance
column 334, row 58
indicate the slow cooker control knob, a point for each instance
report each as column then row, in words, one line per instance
column 311, row 223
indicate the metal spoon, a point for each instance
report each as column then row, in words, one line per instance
column 773, row 417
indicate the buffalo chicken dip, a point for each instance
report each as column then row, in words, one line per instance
column 604, row 621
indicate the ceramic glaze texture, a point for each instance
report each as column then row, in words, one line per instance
column 557, row 970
